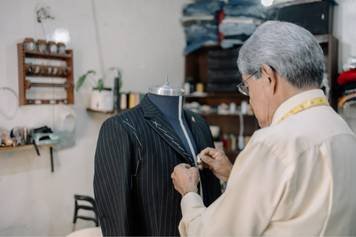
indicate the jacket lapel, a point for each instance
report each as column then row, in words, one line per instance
column 158, row 123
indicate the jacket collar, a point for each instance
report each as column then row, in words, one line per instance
column 159, row 124
column 295, row 100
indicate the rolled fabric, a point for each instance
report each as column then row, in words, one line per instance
column 346, row 77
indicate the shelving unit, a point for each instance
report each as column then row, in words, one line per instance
column 196, row 70
column 228, row 123
column 45, row 71
column 231, row 123
column 217, row 98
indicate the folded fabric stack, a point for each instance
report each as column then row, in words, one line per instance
column 241, row 19
column 223, row 75
column 347, row 83
column 200, row 25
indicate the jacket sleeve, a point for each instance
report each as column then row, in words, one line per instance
column 112, row 178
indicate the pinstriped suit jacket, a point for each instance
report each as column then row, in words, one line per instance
column 135, row 156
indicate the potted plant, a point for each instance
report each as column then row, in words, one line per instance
column 101, row 98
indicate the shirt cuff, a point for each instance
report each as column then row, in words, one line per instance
column 191, row 201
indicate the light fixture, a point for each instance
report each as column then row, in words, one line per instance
column 43, row 13
column 267, row 3
column 61, row 35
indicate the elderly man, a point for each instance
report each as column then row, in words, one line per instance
column 297, row 175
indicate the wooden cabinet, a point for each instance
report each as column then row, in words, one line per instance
column 53, row 73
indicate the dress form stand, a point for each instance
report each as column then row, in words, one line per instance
column 170, row 102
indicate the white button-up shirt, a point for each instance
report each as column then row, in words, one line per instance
column 296, row 177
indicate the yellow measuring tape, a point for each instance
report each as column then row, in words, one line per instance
column 305, row 105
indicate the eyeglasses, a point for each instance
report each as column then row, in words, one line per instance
column 242, row 87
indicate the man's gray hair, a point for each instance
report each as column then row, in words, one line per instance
column 289, row 49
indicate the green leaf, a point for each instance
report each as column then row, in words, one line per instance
column 82, row 79
column 80, row 82
column 100, row 84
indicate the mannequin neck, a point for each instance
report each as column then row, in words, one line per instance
column 172, row 111
column 168, row 105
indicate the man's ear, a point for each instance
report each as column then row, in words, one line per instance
column 271, row 76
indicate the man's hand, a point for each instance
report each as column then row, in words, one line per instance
column 185, row 178
column 217, row 162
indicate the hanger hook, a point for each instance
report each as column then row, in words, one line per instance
column 167, row 81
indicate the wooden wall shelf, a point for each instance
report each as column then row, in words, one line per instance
column 105, row 112
column 218, row 98
column 48, row 69
column 19, row 148
column 33, row 54
column 100, row 112
column 236, row 95
column 29, row 85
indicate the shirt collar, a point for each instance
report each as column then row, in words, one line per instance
column 295, row 100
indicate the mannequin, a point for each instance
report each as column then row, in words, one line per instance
column 136, row 152
column 169, row 101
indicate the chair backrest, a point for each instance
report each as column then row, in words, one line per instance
column 90, row 206
column 86, row 198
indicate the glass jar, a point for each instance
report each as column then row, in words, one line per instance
column 52, row 47
column 61, row 48
column 48, row 70
column 42, row 46
column 29, row 44
column 36, row 69
column 54, row 71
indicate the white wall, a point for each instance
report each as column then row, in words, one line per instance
column 344, row 29
column 143, row 38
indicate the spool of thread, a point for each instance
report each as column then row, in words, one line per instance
column 123, row 101
column 200, row 87
column 232, row 108
column 241, row 142
column 131, row 100
column 244, row 107
column 187, row 88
